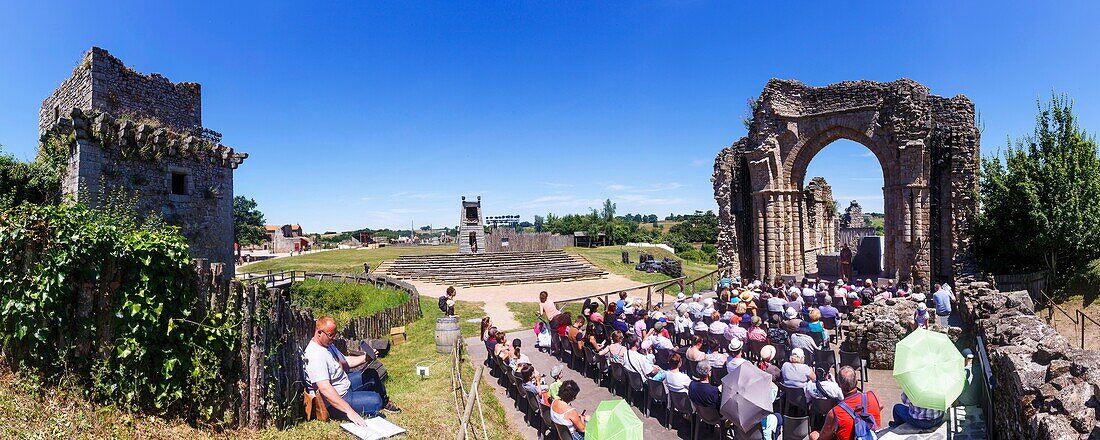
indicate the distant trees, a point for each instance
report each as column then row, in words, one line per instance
column 1040, row 205
column 699, row 227
column 248, row 222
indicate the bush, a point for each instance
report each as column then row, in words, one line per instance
column 94, row 293
column 344, row 301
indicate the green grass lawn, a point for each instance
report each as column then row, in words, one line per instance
column 343, row 260
column 609, row 258
column 428, row 407
column 344, row 301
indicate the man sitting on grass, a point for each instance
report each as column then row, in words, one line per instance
column 355, row 393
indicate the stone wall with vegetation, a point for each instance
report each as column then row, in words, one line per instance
column 104, row 84
column 1044, row 389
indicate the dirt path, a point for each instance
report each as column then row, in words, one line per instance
column 497, row 297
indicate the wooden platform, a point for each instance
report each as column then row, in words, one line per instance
column 492, row 268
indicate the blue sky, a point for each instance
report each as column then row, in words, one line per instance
column 381, row 113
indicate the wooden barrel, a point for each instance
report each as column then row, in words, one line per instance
column 446, row 333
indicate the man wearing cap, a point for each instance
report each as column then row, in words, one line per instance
column 796, row 373
column 555, row 374
column 735, row 360
column 656, row 340
column 791, row 321
column 696, row 307
column 802, row 339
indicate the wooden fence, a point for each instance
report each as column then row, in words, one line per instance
column 274, row 334
column 1034, row 283
column 524, row 241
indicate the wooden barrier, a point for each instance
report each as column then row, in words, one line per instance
column 274, row 334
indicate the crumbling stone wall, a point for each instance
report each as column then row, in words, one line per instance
column 1044, row 389
column 820, row 221
column 853, row 216
column 154, row 154
column 878, row 327
column 929, row 160
column 104, row 84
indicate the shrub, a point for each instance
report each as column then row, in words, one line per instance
column 344, row 301
column 96, row 294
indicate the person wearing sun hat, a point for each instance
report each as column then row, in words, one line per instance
column 735, row 360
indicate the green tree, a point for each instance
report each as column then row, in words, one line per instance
column 248, row 222
column 539, row 223
column 1039, row 206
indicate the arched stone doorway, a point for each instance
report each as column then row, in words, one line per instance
column 928, row 148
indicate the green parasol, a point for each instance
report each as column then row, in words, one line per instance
column 929, row 369
column 613, row 420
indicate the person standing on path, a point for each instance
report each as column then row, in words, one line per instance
column 547, row 308
column 943, row 299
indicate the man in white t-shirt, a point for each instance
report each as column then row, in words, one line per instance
column 356, row 393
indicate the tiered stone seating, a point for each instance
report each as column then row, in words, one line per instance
column 493, row 268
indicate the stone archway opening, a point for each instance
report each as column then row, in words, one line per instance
column 840, row 185
column 927, row 147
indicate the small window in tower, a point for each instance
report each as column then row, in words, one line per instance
column 179, row 183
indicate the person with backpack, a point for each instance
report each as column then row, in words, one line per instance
column 447, row 302
column 857, row 417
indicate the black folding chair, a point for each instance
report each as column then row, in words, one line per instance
column 636, row 384
column 852, row 359
column 796, row 427
column 826, row 360
column 547, row 422
column 656, row 394
column 794, row 401
column 618, row 377
column 591, row 360
column 819, row 340
column 717, row 373
column 563, row 432
column 710, row 417
column 753, row 352
column 680, row 403
column 830, row 326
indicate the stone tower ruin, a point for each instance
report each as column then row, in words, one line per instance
column 143, row 135
column 471, row 231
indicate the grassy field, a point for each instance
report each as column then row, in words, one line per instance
column 343, row 260
column 344, row 301
column 664, row 224
column 30, row 411
column 609, row 258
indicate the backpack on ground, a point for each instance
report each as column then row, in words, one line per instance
column 863, row 424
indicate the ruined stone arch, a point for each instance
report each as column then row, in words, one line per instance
column 928, row 150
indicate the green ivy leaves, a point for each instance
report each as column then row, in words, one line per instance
column 112, row 301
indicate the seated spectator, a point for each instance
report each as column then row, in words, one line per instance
column 839, row 422
column 772, row 421
column 590, row 338
column 741, row 315
column 734, row 358
column 330, row 375
column 823, row 388
column 840, row 294
column 700, row 328
column 517, row 358
column 695, row 352
column 561, row 322
column 637, row 362
column 491, row 340
column 778, row 335
column 620, row 304
column 640, row 324
column 737, row 332
column 562, row 413
column 792, row 321
column 920, row 317
column 717, row 326
column 502, row 350
column 766, row 364
column 620, row 323
column 680, row 306
column 917, row 295
column 575, row 335
column 616, row 351
column 676, row 381
column 682, row 324
column 827, row 310
column 920, row 418
column 747, row 298
column 776, row 306
column 701, row 391
column 531, row 379
column 796, row 373
column 801, row 339
column 756, row 332
column 656, row 339
column 552, row 389
column 815, row 325
column 695, row 309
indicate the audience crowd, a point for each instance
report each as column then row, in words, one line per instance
column 785, row 329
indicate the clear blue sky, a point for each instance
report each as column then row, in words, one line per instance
column 381, row 113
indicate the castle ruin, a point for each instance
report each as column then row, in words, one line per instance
column 143, row 134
